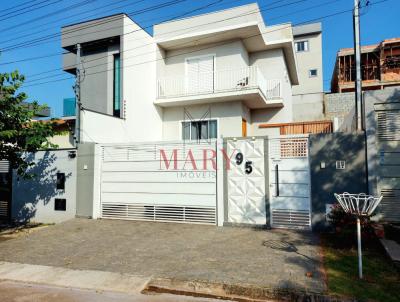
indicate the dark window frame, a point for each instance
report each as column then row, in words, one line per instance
column 306, row 46
column 199, row 125
column 116, row 112
column 310, row 73
column 60, row 183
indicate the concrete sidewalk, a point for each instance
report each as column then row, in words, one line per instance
column 26, row 282
column 275, row 259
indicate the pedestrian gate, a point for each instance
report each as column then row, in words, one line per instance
column 289, row 174
column 283, row 167
column 165, row 181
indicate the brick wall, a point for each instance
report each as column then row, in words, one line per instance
column 338, row 105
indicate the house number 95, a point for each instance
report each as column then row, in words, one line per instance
column 248, row 165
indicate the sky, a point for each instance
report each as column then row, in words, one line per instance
column 22, row 22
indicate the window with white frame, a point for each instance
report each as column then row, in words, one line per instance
column 301, row 46
column 312, row 73
column 197, row 130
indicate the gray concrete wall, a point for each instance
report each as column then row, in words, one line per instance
column 327, row 149
column 85, row 180
column 308, row 107
column 382, row 121
column 93, row 30
column 33, row 199
column 97, row 81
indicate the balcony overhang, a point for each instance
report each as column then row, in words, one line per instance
column 255, row 37
column 249, row 33
column 253, row 98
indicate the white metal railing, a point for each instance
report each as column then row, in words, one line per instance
column 218, row 81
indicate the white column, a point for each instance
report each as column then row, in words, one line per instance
column 220, row 183
column 97, row 181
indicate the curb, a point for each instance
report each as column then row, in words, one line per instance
column 71, row 278
column 233, row 292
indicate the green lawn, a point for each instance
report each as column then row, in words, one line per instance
column 381, row 278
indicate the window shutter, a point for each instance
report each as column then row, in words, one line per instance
column 206, row 74
column 200, row 74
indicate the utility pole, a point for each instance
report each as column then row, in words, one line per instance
column 78, row 103
column 359, row 106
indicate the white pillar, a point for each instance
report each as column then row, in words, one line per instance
column 220, row 182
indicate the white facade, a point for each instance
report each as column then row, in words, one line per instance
column 308, row 95
column 226, row 66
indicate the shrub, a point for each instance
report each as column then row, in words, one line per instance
column 345, row 226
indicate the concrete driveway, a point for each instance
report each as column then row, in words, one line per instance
column 255, row 257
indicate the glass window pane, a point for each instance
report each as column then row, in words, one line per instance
column 186, row 130
column 117, row 85
column 213, row 129
column 195, row 131
column 204, row 130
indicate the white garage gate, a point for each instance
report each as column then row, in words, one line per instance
column 163, row 181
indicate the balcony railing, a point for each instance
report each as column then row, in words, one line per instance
column 218, row 81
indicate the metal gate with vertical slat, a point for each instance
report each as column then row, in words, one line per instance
column 290, row 189
column 141, row 182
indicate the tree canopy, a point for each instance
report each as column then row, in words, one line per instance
column 19, row 133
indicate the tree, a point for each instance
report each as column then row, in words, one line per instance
column 18, row 132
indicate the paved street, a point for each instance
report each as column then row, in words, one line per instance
column 246, row 256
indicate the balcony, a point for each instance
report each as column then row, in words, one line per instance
column 246, row 84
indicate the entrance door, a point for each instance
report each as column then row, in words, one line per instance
column 244, row 127
column 246, row 181
column 289, row 174
column 200, row 74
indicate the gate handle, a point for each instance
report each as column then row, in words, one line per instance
column 276, row 180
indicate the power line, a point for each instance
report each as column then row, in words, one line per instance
column 181, row 44
column 62, row 10
column 236, row 16
column 196, row 50
column 37, row 41
column 22, row 4
column 99, row 22
column 58, row 53
column 65, row 18
column 30, row 10
column 18, row 5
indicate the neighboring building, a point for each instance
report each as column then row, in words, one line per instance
column 64, row 133
column 207, row 76
column 309, row 94
column 380, row 67
column 69, row 107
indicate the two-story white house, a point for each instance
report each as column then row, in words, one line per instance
column 219, row 74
